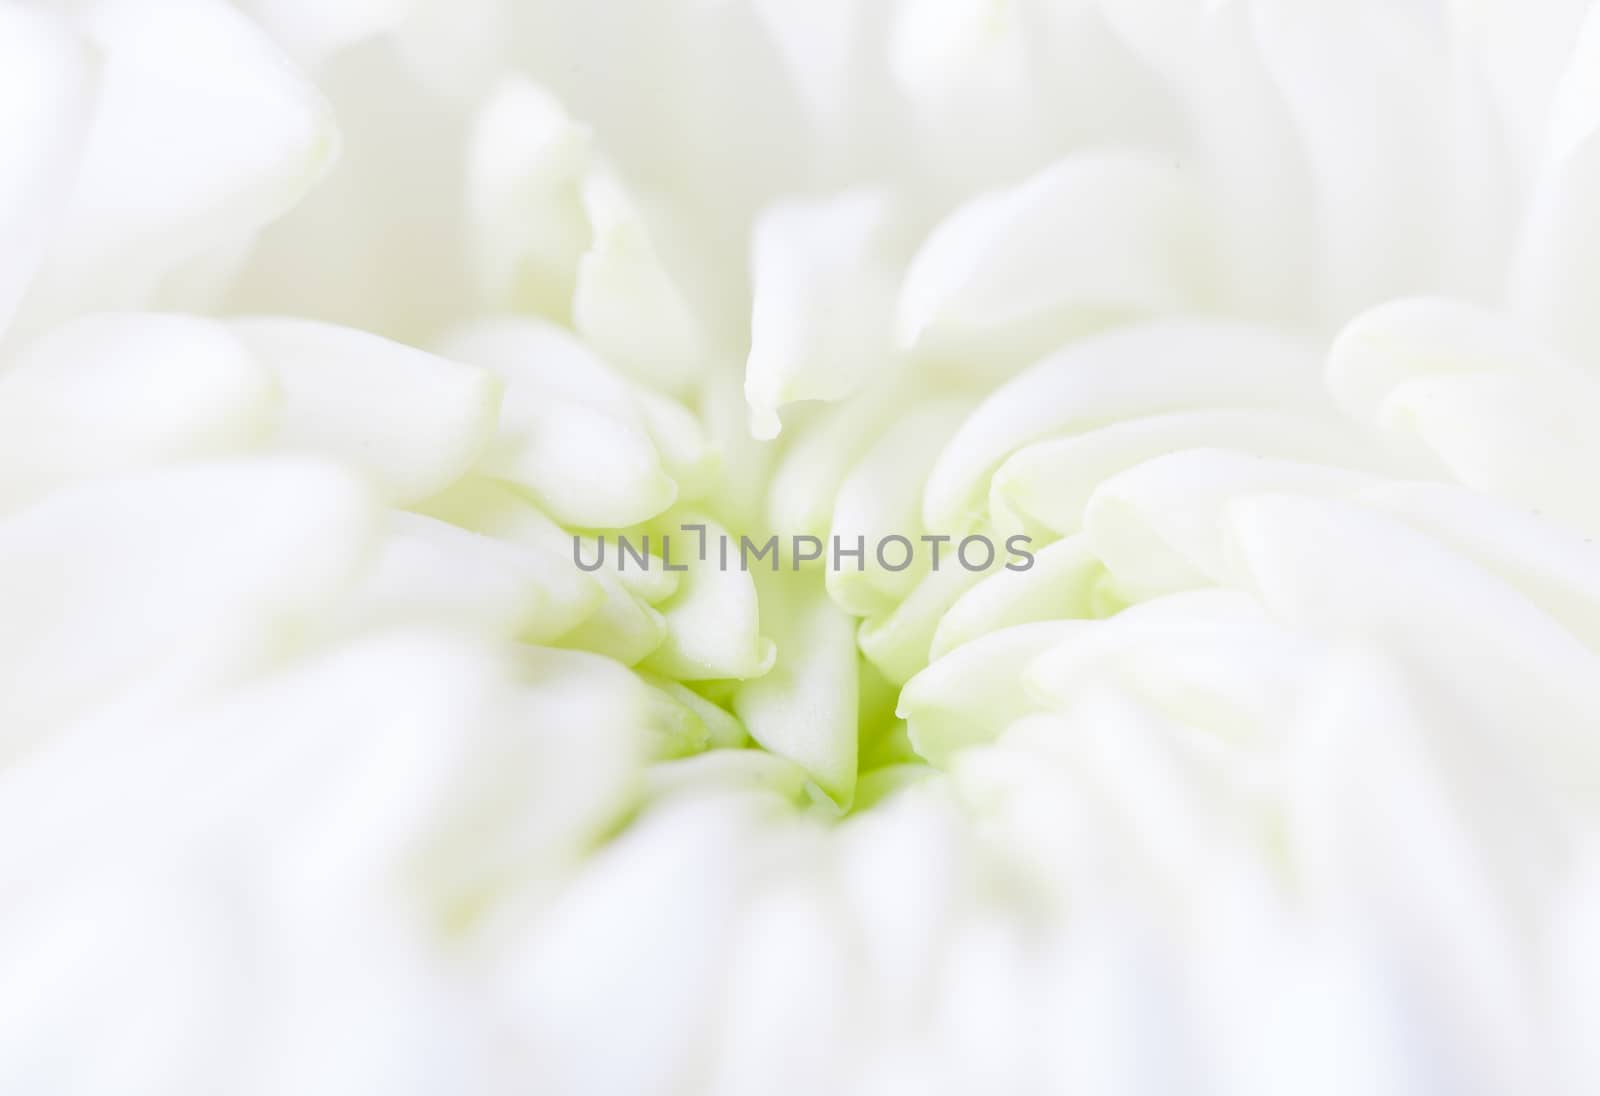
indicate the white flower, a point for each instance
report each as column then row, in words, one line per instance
column 335, row 337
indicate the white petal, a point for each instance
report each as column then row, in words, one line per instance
column 1552, row 566
column 412, row 421
column 1158, row 526
column 819, row 44
column 585, row 693
column 879, row 499
column 1523, row 439
column 312, row 31
column 584, row 467
column 805, row 707
column 542, row 354
column 973, row 93
column 1246, row 152
column 1013, row 273
column 1577, row 976
column 1169, row 366
column 819, row 454
column 723, row 732
column 1430, row 856
column 139, row 964
column 47, row 85
column 155, row 585
column 1066, row 582
column 687, row 455
column 905, row 869
column 626, row 303
column 1345, row 571
column 570, row 431
column 1356, row 109
column 109, row 393
column 898, row 643
column 457, row 48
column 822, row 286
column 1383, row 348
column 1211, row 660
column 1556, row 276
column 1477, row 396
column 203, row 131
column 429, row 571
column 789, row 990
column 623, row 625
column 971, row 695
column 1575, row 111
column 1047, row 485
column 730, row 771
column 575, row 987
column 525, row 171
column 713, row 620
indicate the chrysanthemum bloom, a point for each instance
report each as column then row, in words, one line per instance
column 333, row 333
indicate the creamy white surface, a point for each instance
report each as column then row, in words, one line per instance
column 325, row 326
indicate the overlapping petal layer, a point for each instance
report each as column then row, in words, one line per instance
column 328, row 765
